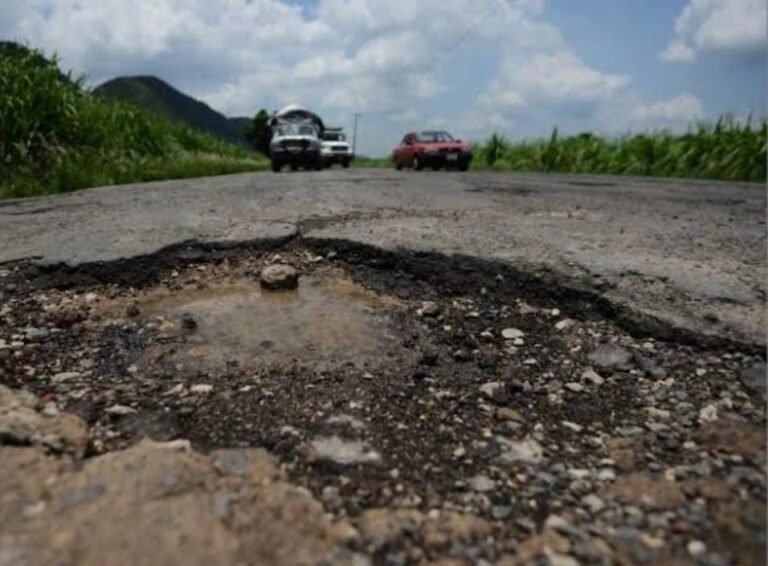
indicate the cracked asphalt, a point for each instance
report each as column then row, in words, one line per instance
column 689, row 253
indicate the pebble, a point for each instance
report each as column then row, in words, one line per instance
column 429, row 308
column 610, row 357
column 591, row 376
column 334, row 449
column 526, row 451
column 489, row 389
column 119, row 410
column 279, row 277
column 708, row 414
column 512, row 333
column 201, row 388
column 507, row 414
column 481, row 483
column 565, row 324
column 696, row 548
column 65, row 376
column 575, row 387
column 593, row 503
column 572, row 426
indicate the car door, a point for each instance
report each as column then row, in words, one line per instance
column 407, row 149
column 401, row 152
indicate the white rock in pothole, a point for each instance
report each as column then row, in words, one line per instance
column 119, row 410
column 512, row 333
column 591, row 376
column 345, row 453
column 708, row 414
column 279, row 277
column 526, row 451
column 65, row 376
column 489, row 389
column 346, row 420
column 481, row 483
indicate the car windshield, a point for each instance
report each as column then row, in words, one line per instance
column 334, row 136
column 432, row 137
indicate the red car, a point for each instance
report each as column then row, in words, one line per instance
column 432, row 149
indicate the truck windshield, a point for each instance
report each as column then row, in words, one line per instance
column 334, row 136
column 295, row 130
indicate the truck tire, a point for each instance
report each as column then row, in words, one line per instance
column 345, row 164
column 276, row 166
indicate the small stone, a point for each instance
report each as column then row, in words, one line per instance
column 460, row 355
column 491, row 388
column 91, row 297
column 279, row 277
column 133, row 311
column 338, row 451
column 501, row 512
column 526, row 451
column 591, row 376
column 606, row 474
column 201, row 388
column 119, row 410
column 610, row 357
column 575, row 387
column 701, row 372
column 572, row 426
column 708, row 414
column 593, row 503
column 564, row 324
column 512, row 333
column 429, row 356
column 65, row 376
column 36, row 334
column 430, row 308
column 481, row 483
column 696, row 548
column 507, row 414
column 460, row 452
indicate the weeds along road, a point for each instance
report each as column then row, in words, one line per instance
column 689, row 255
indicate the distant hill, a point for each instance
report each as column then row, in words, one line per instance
column 158, row 96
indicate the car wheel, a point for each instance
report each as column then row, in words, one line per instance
column 418, row 164
column 277, row 166
column 398, row 166
column 294, row 167
column 463, row 167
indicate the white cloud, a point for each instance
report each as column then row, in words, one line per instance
column 390, row 59
column 682, row 108
column 735, row 26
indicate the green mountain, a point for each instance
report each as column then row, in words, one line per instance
column 158, row 96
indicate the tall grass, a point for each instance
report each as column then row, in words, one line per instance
column 55, row 136
column 728, row 149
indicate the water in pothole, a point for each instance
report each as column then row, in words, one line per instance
column 327, row 322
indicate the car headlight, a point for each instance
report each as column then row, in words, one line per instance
column 431, row 150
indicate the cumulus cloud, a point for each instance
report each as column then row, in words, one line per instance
column 735, row 26
column 683, row 108
column 387, row 58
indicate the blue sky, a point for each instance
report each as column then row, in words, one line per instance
column 518, row 67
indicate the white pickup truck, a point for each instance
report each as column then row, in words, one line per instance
column 334, row 148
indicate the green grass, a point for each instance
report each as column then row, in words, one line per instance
column 57, row 137
column 728, row 150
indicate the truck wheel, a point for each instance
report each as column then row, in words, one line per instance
column 418, row 164
column 276, row 166
column 319, row 165
column 294, row 167
column 345, row 164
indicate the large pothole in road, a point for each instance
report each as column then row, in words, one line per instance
column 401, row 380
column 327, row 322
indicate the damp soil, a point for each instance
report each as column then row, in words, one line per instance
column 404, row 354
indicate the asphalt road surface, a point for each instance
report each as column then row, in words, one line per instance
column 690, row 253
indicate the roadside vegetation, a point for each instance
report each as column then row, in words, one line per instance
column 729, row 149
column 57, row 136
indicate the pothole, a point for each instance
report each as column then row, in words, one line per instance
column 403, row 381
column 328, row 321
